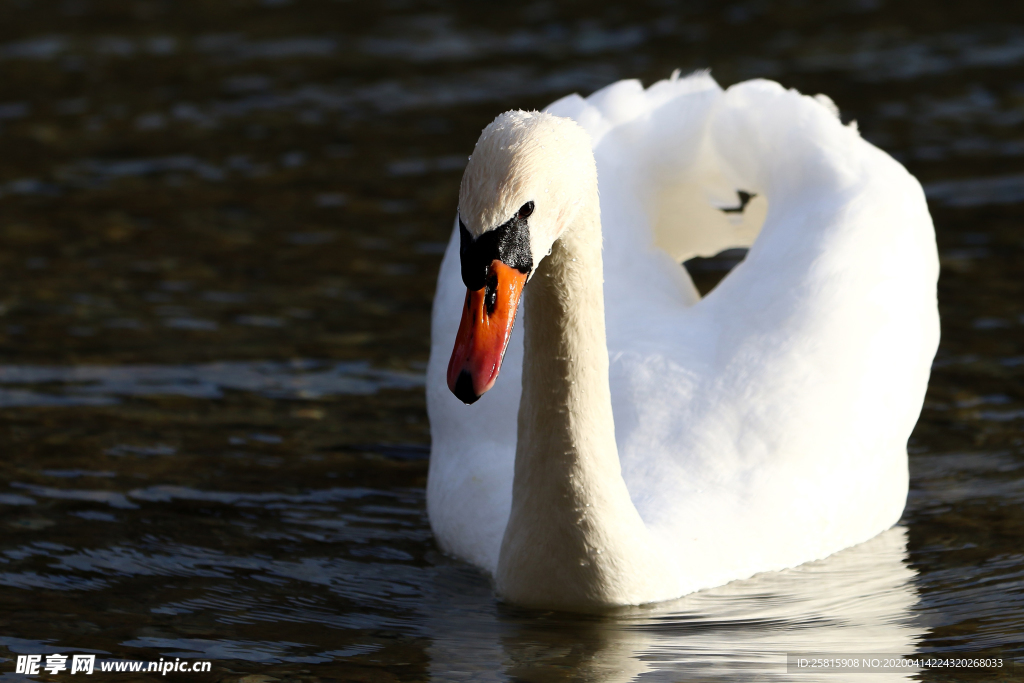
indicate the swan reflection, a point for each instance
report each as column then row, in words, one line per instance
column 858, row 601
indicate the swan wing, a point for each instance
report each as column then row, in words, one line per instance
column 766, row 424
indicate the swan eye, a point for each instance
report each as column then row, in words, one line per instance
column 525, row 210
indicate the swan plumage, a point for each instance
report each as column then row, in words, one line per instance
column 764, row 425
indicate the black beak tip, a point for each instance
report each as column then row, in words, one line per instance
column 464, row 389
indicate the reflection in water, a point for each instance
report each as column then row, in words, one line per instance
column 857, row 601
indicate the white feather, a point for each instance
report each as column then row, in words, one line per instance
column 760, row 427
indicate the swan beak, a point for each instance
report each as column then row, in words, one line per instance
column 487, row 320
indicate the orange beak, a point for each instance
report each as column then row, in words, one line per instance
column 487, row 320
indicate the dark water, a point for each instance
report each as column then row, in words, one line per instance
column 220, row 224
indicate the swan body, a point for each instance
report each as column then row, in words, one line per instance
column 642, row 442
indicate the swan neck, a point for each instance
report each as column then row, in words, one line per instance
column 573, row 538
column 565, row 415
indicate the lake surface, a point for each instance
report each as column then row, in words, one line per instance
column 220, row 225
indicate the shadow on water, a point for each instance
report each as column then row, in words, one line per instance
column 219, row 229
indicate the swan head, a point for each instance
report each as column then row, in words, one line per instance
column 529, row 175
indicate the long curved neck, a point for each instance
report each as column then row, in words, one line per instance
column 566, row 428
column 574, row 538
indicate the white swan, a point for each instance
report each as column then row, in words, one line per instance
column 758, row 428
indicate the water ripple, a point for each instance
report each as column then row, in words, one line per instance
column 92, row 385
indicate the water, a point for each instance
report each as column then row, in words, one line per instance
column 219, row 229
